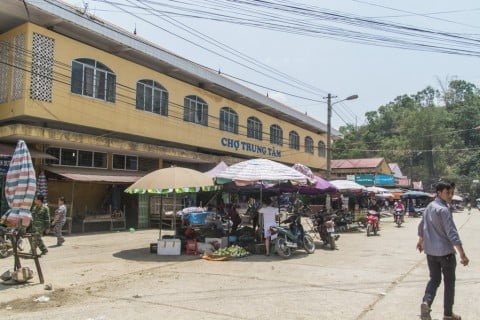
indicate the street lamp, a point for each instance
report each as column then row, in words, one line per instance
column 329, row 129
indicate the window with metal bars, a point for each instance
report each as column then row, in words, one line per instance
column 93, row 79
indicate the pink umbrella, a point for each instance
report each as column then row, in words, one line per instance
column 21, row 185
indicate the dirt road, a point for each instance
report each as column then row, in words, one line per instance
column 113, row 276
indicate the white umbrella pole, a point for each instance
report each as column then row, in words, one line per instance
column 161, row 215
column 174, row 214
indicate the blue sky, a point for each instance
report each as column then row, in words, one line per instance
column 376, row 74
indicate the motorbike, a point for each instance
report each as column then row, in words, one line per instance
column 342, row 219
column 398, row 217
column 292, row 237
column 6, row 246
column 372, row 223
column 325, row 226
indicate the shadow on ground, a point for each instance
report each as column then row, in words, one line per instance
column 143, row 254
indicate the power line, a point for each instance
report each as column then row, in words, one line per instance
column 129, row 100
column 425, row 15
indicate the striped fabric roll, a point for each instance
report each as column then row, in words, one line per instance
column 20, row 187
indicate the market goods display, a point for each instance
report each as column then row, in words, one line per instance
column 226, row 253
column 232, row 251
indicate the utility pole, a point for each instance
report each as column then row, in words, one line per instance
column 329, row 138
column 329, row 129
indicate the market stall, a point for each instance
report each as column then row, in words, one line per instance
column 171, row 181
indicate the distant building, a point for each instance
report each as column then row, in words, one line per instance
column 401, row 180
column 344, row 167
column 368, row 171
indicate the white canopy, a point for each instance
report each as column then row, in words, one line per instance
column 344, row 185
column 217, row 169
column 457, row 198
column 261, row 170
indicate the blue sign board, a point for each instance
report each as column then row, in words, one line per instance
column 375, row 180
column 365, row 179
column 250, row 147
column 384, row 180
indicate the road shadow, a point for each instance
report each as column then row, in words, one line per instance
column 143, row 254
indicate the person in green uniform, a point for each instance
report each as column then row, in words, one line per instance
column 40, row 223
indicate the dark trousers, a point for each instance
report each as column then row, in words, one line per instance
column 441, row 265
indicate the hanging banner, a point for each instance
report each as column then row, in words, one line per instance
column 4, row 164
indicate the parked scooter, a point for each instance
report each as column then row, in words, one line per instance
column 398, row 217
column 292, row 237
column 6, row 243
column 372, row 222
column 325, row 226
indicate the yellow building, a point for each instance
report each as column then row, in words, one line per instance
column 111, row 106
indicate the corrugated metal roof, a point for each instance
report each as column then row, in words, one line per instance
column 356, row 163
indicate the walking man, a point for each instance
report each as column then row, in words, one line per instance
column 40, row 223
column 438, row 237
column 59, row 220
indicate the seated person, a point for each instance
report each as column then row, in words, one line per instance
column 233, row 215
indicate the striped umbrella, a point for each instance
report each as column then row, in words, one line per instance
column 261, row 170
column 42, row 186
column 20, row 187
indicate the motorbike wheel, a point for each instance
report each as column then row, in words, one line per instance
column 375, row 230
column 308, row 244
column 20, row 244
column 3, row 249
column 399, row 222
column 369, row 230
column 282, row 249
column 332, row 242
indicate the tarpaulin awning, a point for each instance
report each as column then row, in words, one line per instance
column 106, row 176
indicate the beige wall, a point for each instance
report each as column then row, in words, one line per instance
column 122, row 115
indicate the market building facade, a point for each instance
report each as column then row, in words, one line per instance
column 108, row 107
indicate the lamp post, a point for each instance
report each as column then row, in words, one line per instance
column 329, row 129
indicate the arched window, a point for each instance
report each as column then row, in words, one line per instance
column 276, row 135
column 152, row 97
column 228, row 120
column 308, row 145
column 195, row 110
column 254, row 128
column 93, row 79
column 293, row 140
column 321, row 149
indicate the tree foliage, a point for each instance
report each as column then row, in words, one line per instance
column 431, row 134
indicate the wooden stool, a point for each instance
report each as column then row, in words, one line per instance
column 14, row 236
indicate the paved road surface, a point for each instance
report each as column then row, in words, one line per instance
column 112, row 276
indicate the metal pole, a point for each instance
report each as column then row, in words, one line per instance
column 329, row 132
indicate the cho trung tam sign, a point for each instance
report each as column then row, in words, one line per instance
column 250, row 147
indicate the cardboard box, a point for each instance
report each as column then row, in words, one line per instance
column 169, row 247
column 223, row 241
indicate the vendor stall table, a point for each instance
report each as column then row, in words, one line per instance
column 115, row 223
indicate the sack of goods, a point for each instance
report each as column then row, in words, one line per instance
column 22, row 275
